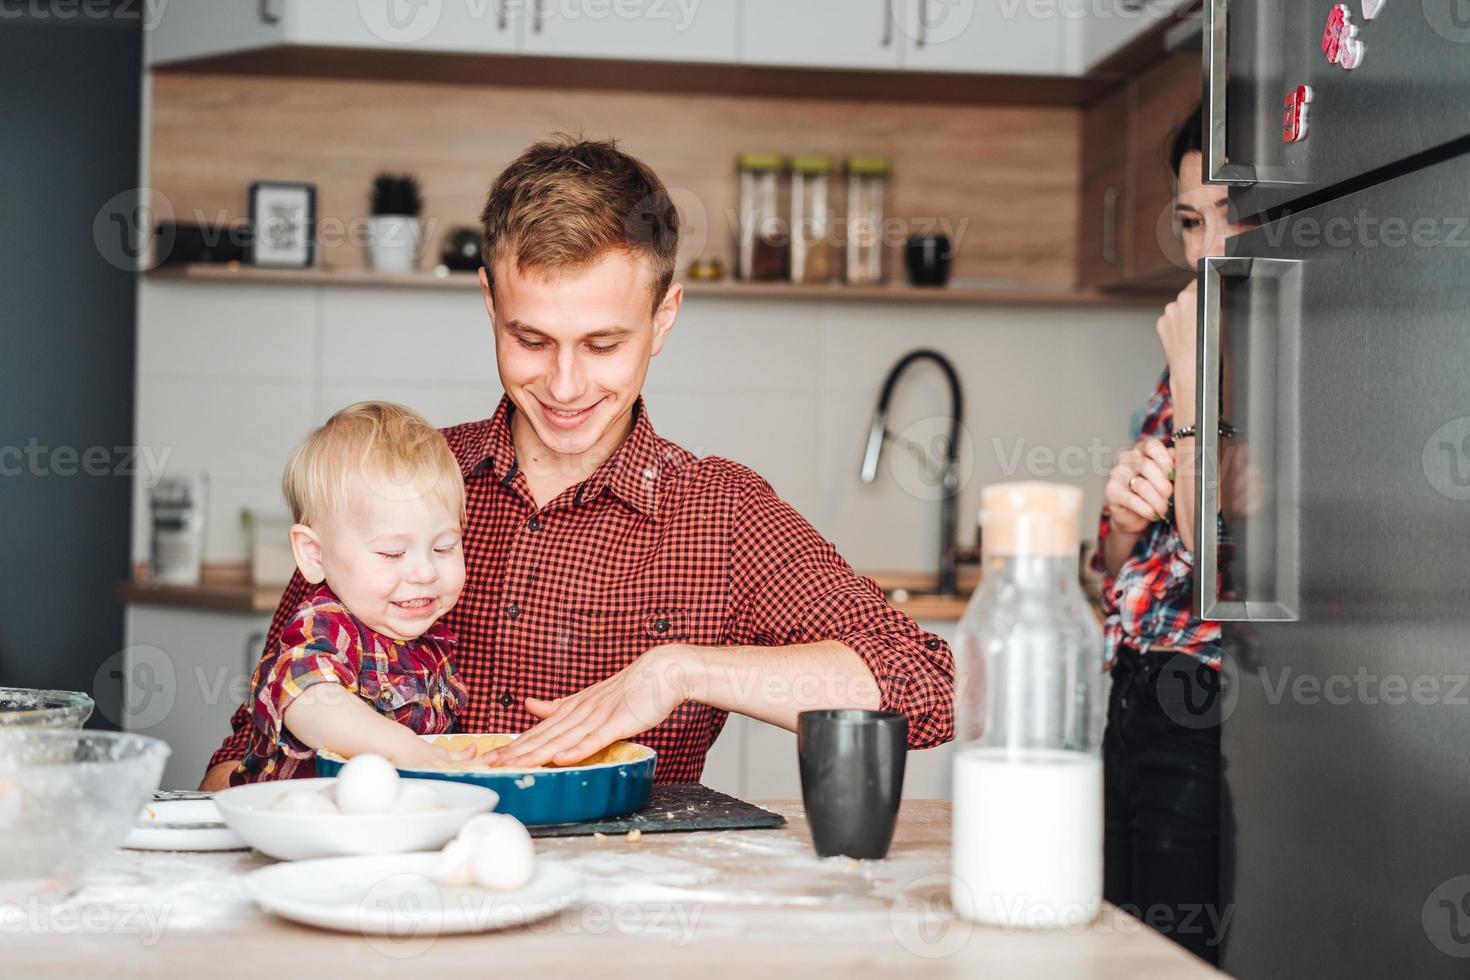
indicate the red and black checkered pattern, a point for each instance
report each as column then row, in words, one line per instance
column 656, row 546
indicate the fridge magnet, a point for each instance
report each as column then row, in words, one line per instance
column 1340, row 39
column 1294, row 120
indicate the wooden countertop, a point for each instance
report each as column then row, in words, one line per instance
column 724, row 903
column 227, row 588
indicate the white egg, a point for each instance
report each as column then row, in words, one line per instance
column 454, row 866
column 368, row 783
column 504, row 857
column 301, row 801
column 414, row 797
column 493, row 850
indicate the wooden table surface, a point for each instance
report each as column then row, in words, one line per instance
column 724, row 903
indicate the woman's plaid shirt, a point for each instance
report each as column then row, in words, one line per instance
column 1148, row 602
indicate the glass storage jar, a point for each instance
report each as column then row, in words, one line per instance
column 811, row 229
column 764, row 239
column 867, row 190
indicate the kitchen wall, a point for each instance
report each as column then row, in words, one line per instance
column 231, row 376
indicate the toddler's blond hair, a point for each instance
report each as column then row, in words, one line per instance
column 370, row 447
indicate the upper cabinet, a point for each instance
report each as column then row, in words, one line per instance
column 983, row 36
column 823, row 33
column 996, row 37
column 1126, row 237
column 646, row 30
column 1097, row 30
column 1001, row 37
column 204, row 28
column 463, row 26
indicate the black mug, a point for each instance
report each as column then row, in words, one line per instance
column 927, row 258
column 851, row 778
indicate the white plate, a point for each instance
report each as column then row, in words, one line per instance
column 183, row 825
column 300, row 836
column 393, row 895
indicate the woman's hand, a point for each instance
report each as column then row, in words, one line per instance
column 1176, row 329
column 1140, row 485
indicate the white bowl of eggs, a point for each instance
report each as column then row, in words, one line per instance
column 366, row 809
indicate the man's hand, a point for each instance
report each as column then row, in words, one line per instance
column 628, row 703
column 1140, row 485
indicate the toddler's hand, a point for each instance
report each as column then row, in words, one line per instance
column 420, row 754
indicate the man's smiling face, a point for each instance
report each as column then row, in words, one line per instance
column 573, row 347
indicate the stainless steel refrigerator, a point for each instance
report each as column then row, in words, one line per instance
column 1335, row 342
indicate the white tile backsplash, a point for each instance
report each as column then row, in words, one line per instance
column 428, row 335
column 218, row 330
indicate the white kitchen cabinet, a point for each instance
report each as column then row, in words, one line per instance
column 1105, row 27
column 823, row 33
column 184, row 673
column 991, row 36
column 646, row 30
column 204, row 28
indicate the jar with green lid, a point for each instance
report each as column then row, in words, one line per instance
column 867, row 190
column 765, row 244
column 811, row 226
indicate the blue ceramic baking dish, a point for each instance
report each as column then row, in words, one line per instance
column 615, row 781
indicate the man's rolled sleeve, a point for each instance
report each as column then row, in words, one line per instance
column 790, row 586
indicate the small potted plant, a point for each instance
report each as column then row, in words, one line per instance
column 394, row 233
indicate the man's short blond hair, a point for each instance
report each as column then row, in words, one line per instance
column 566, row 202
column 370, row 447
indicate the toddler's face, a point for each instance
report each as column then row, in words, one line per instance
column 396, row 561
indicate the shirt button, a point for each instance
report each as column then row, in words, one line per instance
column 512, row 610
column 534, row 523
column 507, row 699
column 932, row 643
column 660, row 625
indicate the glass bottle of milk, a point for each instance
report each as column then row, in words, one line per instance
column 1028, row 803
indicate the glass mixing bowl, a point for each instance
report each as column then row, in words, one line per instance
column 24, row 707
column 67, row 800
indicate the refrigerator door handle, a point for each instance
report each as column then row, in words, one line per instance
column 1277, row 524
column 1218, row 167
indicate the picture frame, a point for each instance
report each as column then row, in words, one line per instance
column 283, row 224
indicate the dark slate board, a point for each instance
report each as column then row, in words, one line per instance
column 694, row 807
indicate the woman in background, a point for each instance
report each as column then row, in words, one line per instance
column 1161, row 757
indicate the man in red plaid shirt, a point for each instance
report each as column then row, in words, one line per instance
column 618, row 586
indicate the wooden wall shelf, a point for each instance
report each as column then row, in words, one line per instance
column 897, row 293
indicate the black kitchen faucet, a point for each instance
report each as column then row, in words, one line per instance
column 949, row 476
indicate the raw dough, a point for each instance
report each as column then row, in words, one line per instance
column 616, row 752
column 493, row 850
